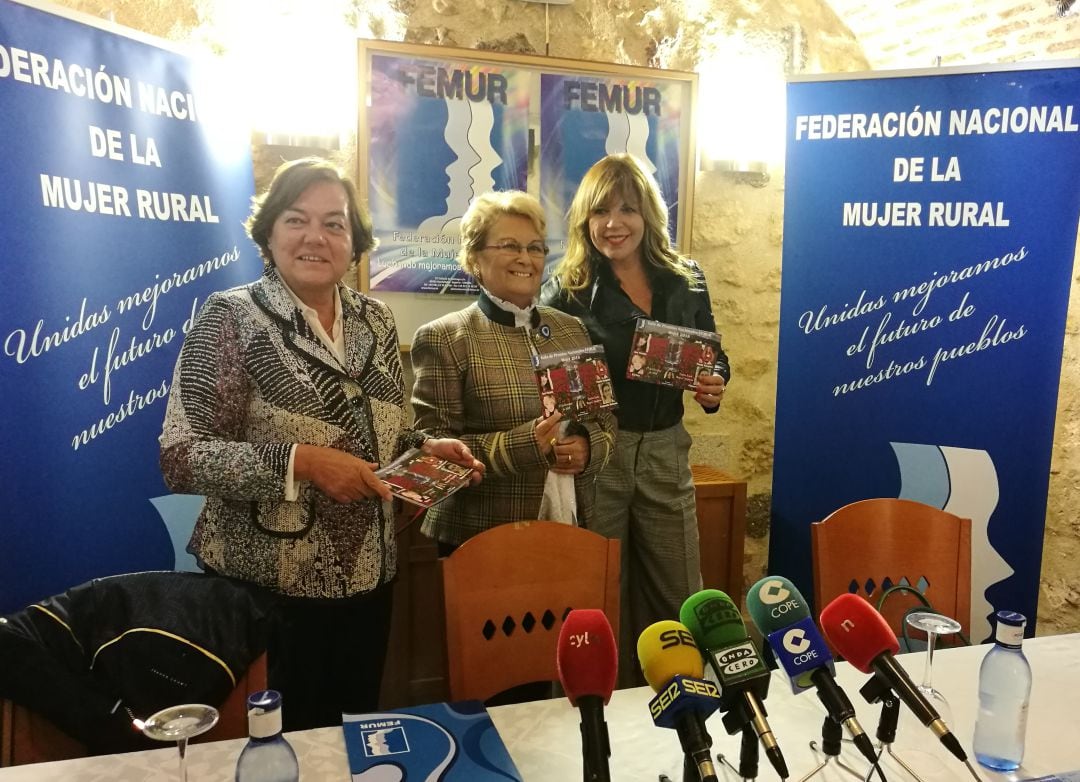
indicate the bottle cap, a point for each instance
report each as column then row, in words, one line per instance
column 1011, row 618
column 264, row 713
column 264, row 700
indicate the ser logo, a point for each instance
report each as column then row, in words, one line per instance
column 680, row 686
column 676, row 637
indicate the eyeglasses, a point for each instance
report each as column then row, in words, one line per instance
column 512, row 249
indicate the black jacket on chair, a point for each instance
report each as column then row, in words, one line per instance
column 122, row 647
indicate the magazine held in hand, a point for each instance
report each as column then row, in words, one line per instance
column 672, row 355
column 423, row 479
column 575, row 382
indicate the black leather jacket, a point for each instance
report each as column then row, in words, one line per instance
column 610, row 318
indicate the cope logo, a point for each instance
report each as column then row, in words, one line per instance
column 773, row 592
column 780, row 599
column 796, row 641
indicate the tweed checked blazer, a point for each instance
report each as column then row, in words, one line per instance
column 252, row 379
column 474, row 380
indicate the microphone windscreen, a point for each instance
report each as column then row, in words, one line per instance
column 713, row 619
column 666, row 649
column 586, row 656
column 857, row 631
column 775, row 603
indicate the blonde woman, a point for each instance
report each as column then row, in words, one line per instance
column 620, row 266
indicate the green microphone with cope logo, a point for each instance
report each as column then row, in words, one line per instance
column 717, row 626
column 779, row 611
column 775, row 604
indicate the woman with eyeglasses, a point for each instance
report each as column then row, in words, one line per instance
column 475, row 380
column 619, row 266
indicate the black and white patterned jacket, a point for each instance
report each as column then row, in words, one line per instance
column 253, row 379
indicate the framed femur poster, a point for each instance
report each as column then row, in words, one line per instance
column 439, row 126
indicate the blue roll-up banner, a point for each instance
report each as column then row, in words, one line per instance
column 930, row 224
column 123, row 200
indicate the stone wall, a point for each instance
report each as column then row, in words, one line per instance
column 924, row 33
column 737, row 228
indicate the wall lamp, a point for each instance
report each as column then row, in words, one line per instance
column 547, row 19
column 743, row 172
column 310, row 141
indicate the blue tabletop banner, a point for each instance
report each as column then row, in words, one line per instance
column 930, row 225
column 125, row 188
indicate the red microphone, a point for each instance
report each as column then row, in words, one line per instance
column 862, row 637
column 588, row 662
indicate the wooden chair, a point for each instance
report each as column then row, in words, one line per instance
column 28, row 737
column 508, row 591
column 868, row 546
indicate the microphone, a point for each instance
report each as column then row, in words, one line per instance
column 717, row 626
column 862, row 636
column 587, row 663
column 779, row 611
column 671, row 663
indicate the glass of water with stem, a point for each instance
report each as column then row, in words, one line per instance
column 180, row 723
column 934, row 625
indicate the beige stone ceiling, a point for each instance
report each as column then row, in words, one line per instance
column 915, row 33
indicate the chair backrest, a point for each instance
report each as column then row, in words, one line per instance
column 507, row 593
column 868, row 546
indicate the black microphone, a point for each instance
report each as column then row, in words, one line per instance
column 718, row 629
column 587, row 662
column 864, row 638
column 783, row 617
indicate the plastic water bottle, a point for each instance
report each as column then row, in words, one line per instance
column 268, row 757
column 1004, row 688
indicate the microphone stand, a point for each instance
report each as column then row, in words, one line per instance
column 877, row 690
column 690, row 771
column 751, row 714
column 595, row 745
column 832, row 739
column 748, row 755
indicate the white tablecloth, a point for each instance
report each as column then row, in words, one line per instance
column 545, row 743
